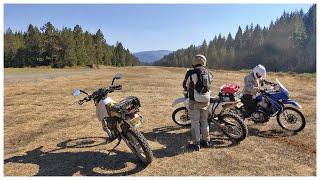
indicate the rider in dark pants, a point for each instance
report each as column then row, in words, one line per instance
column 252, row 82
column 249, row 105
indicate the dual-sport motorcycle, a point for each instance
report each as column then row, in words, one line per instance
column 231, row 124
column 272, row 102
column 120, row 119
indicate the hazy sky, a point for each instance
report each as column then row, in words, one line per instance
column 143, row 27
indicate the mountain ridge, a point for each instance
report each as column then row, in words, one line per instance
column 151, row 56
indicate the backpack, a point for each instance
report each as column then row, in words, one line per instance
column 203, row 84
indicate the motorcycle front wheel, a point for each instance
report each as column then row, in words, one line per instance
column 233, row 127
column 291, row 119
column 138, row 145
column 181, row 117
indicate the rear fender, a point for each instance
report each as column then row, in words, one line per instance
column 179, row 100
column 292, row 103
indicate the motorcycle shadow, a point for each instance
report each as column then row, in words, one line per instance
column 273, row 133
column 86, row 163
column 222, row 142
column 179, row 142
column 168, row 136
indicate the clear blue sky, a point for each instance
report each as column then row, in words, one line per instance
column 143, row 27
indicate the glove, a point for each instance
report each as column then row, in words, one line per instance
column 185, row 93
column 262, row 90
column 81, row 102
column 118, row 87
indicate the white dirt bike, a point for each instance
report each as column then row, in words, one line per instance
column 120, row 119
column 230, row 123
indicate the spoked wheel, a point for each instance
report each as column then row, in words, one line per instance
column 180, row 116
column 291, row 119
column 139, row 146
column 234, row 127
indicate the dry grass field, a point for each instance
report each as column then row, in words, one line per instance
column 46, row 133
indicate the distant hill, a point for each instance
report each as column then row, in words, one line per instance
column 151, row 56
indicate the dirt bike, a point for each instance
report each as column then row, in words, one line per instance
column 120, row 119
column 231, row 124
column 271, row 102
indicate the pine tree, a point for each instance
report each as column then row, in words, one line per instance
column 119, row 55
column 204, row 48
column 67, row 52
column 90, row 47
column 99, row 46
column 33, row 46
column 108, row 53
column 10, row 48
column 50, row 43
column 257, row 37
column 212, row 57
column 229, row 42
column 82, row 57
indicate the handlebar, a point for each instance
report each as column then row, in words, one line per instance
column 100, row 92
column 112, row 88
column 274, row 84
column 268, row 90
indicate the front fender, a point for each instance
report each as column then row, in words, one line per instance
column 179, row 100
column 292, row 103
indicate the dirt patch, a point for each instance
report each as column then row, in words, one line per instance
column 10, row 77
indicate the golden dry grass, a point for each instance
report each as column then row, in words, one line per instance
column 47, row 133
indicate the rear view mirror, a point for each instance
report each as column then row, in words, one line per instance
column 76, row 93
column 118, row 76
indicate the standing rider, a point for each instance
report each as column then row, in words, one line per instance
column 251, row 87
column 197, row 84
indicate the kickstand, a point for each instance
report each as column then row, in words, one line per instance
column 115, row 146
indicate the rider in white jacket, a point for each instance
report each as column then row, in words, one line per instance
column 252, row 83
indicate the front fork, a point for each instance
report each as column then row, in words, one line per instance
column 217, row 121
column 114, row 128
column 106, row 129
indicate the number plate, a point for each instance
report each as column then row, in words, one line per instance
column 136, row 121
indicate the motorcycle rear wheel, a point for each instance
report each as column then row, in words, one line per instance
column 181, row 117
column 139, row 146
column 292, row 118
column 233, row 127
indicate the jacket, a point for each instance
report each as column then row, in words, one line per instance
column 251, row 84
column 189, row 85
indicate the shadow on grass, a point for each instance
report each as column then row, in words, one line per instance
column 87, row 163
column 273, row 133
column 178, row 143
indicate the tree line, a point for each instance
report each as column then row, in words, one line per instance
column 288, row 44
column 59, row 48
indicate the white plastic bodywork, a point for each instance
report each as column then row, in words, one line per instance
column 216, row 107
column 101, row 110
column 180, row 100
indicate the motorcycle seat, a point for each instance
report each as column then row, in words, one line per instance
column 214, row 99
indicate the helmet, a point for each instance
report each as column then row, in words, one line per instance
column 199, row 59
column 259, row 72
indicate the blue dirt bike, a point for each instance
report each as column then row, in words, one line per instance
column 272, row 102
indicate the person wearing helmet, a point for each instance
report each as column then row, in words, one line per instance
column 196, row 86
column 251, row 87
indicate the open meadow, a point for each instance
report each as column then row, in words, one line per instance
column 46, row 132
